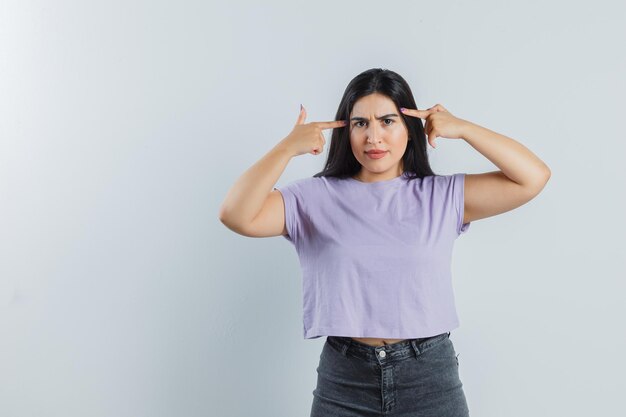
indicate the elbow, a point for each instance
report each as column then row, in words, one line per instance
column 223, row 216
column 228, row 221
column 547, row 172
column 540, row 183
column 546, row 177
column 541, row 178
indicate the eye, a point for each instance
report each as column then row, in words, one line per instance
column 385, row 120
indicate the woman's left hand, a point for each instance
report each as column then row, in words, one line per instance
column 439, row 123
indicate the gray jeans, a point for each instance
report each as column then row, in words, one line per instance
column 414, row 377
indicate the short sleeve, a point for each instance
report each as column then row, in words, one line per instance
column 458, row 195
column 293, row 203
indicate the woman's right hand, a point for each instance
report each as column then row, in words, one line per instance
column 308, row 137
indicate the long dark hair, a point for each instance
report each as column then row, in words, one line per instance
column 341, row 162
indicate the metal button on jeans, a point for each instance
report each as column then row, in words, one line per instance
column 382, row 353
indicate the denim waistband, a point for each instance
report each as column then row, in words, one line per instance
column 392, row 353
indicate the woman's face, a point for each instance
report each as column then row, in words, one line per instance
column 388, row 134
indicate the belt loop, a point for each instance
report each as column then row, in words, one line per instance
column 415, row 348
column 345, row 346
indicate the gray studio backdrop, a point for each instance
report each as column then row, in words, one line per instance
column 123, row 125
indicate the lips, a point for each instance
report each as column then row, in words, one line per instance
column 377, row 154
column 375, row 151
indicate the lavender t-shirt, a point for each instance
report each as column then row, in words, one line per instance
column 376, row 257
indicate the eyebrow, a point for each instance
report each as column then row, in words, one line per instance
column 384, row 116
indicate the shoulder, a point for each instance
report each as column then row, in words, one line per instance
column 304, row 186
column 433, row 181
column 438, row 186
column 446, row 180
column 309, row 182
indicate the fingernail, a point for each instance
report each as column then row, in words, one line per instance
column 301, row 107
column 402, row 109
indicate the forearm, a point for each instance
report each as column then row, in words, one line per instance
column 246, row 197
column 514, row 160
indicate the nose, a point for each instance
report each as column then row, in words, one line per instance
column 372, row 133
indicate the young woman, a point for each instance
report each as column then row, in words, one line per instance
column 374, row 232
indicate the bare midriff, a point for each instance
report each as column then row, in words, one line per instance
column 372, row 341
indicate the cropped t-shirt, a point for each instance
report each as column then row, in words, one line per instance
column 376, row 257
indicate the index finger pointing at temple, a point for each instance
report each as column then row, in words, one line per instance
column 330, row 125
column 421, row 114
